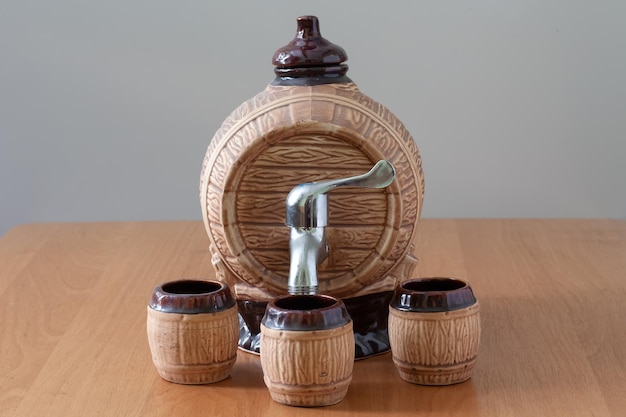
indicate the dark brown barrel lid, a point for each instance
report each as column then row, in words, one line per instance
column 309, row 54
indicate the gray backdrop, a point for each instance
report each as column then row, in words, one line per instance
column 107, row 106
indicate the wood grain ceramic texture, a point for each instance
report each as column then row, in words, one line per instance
column 435, row 348
column 287, row 135
column 307, row 368
column 193, row 348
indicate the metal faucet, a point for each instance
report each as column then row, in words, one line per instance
column 307, row 215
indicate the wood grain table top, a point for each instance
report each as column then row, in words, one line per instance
column 553, row 307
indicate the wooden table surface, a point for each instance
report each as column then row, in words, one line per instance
column 553, row 307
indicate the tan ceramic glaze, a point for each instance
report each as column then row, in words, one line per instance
column 435, row 348
column 287, row 135
column 193, row 348
column 307, row 368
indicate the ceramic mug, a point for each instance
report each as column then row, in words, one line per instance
column 434, row 330
column 307, row 350
column 193, row 329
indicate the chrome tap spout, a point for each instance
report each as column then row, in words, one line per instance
column 308, row 248
column 307, row 215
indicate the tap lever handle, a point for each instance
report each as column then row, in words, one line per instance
column 380, row 176
column 307, row 205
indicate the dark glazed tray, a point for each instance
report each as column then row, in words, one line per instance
column 369, row 315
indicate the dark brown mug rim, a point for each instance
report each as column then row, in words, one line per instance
column 433, row 294
column 315, row 312
column 192, row 296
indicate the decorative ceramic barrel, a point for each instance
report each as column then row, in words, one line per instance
column 312, row 123
column 434, row 331
column 193, row 330
column 290, row 135
column 307, row 350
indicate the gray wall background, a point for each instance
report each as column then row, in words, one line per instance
column 107, row 106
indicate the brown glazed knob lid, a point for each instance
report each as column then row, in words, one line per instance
column 309, row 55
